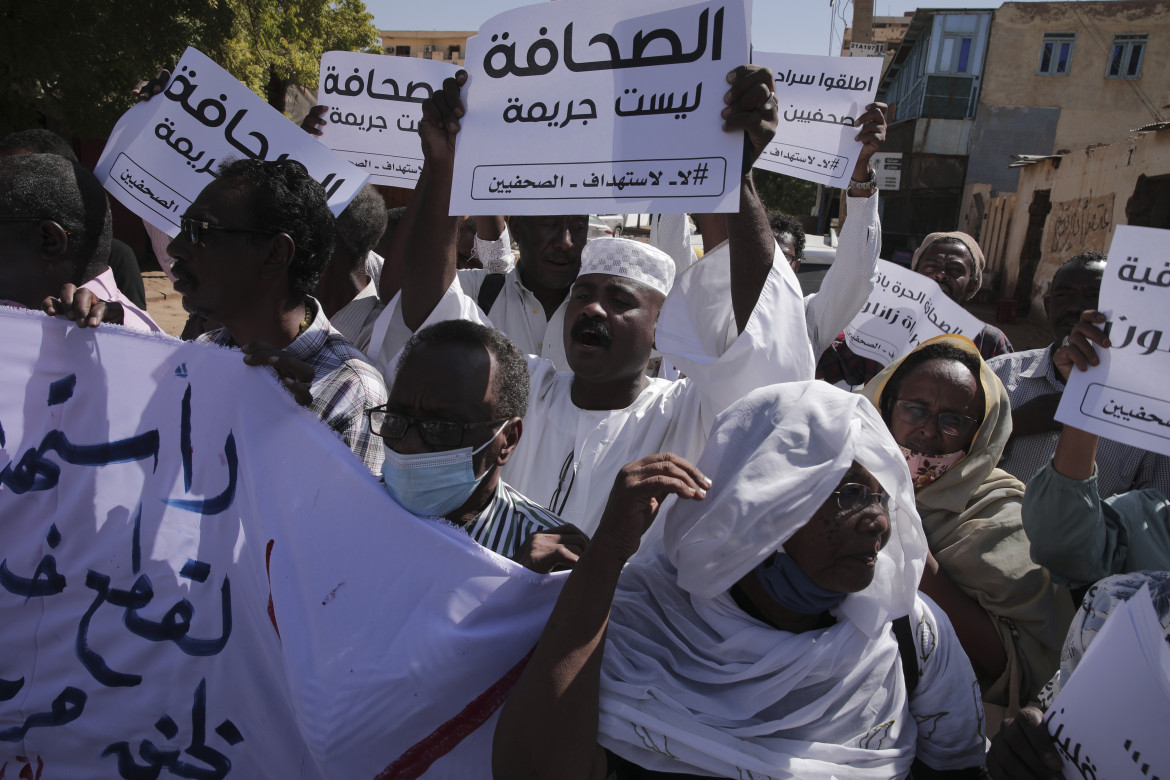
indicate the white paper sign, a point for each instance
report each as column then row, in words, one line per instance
column 198, row 579
column 375, row 105
column 1109, row 720
column 581, row 107
column 904, row 310
column 887, row 167
column 162, row 153
column 1124, row 398
column 819, row 100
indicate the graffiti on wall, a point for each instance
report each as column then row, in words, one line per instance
column 1081, row 225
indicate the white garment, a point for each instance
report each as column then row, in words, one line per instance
column 721, row 365
column 691, row 683
column 849, row 281
column 520, row 316
column 496, row 256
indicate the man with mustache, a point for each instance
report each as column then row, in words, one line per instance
column 1035, row 386
column 584, row 425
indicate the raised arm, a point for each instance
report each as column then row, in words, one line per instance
column 548, row 726
column 429, row 232
column 751, row 107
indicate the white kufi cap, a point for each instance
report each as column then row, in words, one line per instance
column 631, row 259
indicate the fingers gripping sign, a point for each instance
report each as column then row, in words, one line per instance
column 638, row 493
column 751, row 107
column 440, row 121
column 83, row 307
column 295, row 374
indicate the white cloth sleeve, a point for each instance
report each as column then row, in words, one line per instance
column 947, row 704
column 849, row 281
column 496, row 256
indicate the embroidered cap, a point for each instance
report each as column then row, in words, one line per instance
column 631, row 259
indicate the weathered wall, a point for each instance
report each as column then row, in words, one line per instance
column 1088, row 193
column 1000, row 132
column 1093, row 109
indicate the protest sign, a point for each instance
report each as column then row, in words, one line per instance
column 1124, row 397
column 198, row 579
column 820, row 99
column 582, row 108
column 904, row 310
column 1109, row 720
column 162, row 153
column 375, row 105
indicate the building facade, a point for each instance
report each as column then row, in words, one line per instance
column 430, row 44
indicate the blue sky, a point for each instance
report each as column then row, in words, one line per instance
column 790, row 26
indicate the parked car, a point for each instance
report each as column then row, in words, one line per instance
column 599, row 229
column 615, row 222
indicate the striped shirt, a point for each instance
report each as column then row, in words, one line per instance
column 345, row 384
column 508, row 520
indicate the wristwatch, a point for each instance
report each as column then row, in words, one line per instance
column 868, row 184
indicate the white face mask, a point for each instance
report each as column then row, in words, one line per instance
column 431, row 484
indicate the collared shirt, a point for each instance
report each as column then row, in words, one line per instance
column 104, row 287
column 345, row 384
column 355, row 320
column 1121, row 467
column 841, row 366
column 508, row 520
column 520, row 316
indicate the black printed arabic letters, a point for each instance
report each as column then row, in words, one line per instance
column 66, row 708
column 216, row 504
column 262, row 154
column 177, row 620
column 414, row 86
column 9, row 688
column 336, row 185
column 392, row 95
column 331, row 81
column 35, row 472
column 90, row 659
column 508, row 50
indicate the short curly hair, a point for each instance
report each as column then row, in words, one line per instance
column 781, row 224
column 510, row 389
column 284, row 198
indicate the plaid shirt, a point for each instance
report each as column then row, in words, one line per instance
column 1120, row 467
column 508, row 520
column 345, row 384
column 841, row 365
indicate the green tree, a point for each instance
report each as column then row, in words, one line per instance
column 785, row 193
column 70, row 65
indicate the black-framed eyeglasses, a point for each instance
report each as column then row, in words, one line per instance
column 853, row 495
column 193, row 229
column 392, row 426
column 950, row 423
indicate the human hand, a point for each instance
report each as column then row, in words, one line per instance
column 558, row 547
column 871, row 132
column 294, row 373
column 145, row 90
column 751, row 107
column 440, row 122
column 314, row 120
column 83, row 307
column 638, row 491
column 1077, row 349
column 1037, row 415
column 1023, row 749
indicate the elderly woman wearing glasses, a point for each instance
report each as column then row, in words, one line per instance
column 951, row 417
column 769, row 626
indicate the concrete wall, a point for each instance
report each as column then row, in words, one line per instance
column 1000, row 132
column 1088, row 193
column 1093, row 109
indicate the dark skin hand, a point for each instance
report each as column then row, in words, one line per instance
column 314, row 121
column 1023, row 750
column 1078, row 350
column 83, row 307
column 145, row 90
column 552, row 550
column 295, row 374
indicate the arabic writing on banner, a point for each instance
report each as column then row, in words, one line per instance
column 375, row 105
column 575, row 107
column 1109, row 720
column 162, row 153
column 904, row 310
column 198, row 579
column 1124, row 397
column 820, row 99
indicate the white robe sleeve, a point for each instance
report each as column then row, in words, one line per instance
column 391, row 333
column 849, row 281
column 697, row 331
column 947, row 704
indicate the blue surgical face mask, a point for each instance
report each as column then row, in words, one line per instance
column 431, row 484
column 792, row 589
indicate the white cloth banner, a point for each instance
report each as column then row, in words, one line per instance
column 813, row 92
column 1109, row 720
column 904, row 310
column 198, row 579
column 587, row 107
column 1124, row 397
column 375, row 105
column 162, row 153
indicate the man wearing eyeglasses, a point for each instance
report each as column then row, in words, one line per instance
column 453, row 419
column 248, row 255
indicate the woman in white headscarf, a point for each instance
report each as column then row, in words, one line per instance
column 754, row 637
